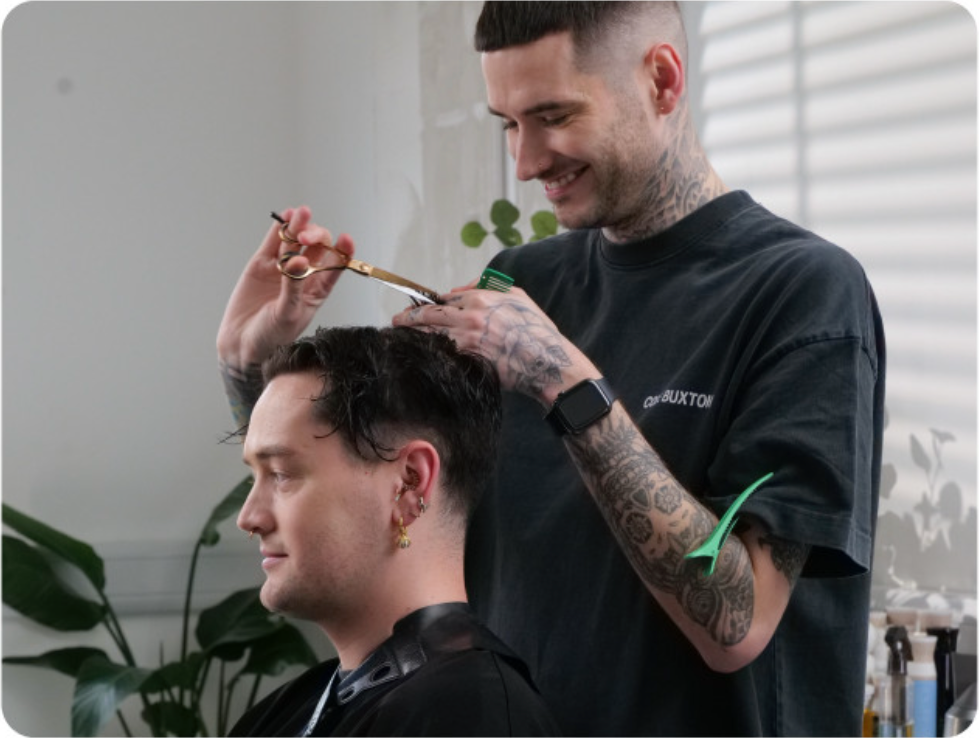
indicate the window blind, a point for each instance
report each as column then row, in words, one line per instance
column 858, row 121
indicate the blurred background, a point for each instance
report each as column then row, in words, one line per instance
column 144, row 145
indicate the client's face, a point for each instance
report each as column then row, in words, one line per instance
column 324, row 517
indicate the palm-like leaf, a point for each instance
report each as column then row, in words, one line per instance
column 229, row 506
column 235, row 621
column 100, row 689
column 32, row 587
column 68, row 661
column 70, row 549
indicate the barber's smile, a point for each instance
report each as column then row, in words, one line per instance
column 558, row 187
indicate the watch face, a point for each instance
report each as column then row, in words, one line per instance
column 584, row 405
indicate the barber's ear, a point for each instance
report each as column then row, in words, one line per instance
column 418, row 465
column 664, row 74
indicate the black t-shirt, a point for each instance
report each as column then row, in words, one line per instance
column 440, row 673
column 740, row 344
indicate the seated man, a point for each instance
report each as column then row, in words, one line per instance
column 370, row 448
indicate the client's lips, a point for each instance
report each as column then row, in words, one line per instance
column 271, row 558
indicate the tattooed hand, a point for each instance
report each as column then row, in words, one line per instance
column 530, row 354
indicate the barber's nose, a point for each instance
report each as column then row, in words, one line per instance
column 530, row 155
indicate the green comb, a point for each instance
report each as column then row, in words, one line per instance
column 715, row 541
column 494, row 280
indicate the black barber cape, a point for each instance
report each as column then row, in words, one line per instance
column 440, row 673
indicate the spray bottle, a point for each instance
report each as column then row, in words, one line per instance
column 895, row 696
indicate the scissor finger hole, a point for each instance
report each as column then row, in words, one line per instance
column 299, row 274
column 310, row 268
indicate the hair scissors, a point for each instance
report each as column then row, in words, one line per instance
column 416, row 292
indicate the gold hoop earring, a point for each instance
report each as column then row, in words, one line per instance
column 403, row 540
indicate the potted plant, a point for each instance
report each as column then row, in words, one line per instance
column 236, row 635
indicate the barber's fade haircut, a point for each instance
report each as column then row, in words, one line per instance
column 385, row 386
column 503, row 23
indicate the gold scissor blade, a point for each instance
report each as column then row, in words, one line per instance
column 412, row 289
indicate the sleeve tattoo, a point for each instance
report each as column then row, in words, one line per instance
column 657, row 522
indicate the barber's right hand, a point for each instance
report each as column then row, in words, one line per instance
column 267, row 309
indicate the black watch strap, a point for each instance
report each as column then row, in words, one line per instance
column 579, row 407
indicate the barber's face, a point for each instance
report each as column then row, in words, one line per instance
column 593, row 149
column 325, row 530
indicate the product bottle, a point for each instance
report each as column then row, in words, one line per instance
column 895, row 695
column 871, row 723
column 923, row 680
column 945, row 670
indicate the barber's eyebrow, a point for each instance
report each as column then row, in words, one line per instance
column 544, row 107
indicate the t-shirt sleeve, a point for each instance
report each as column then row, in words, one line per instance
column 809, row 410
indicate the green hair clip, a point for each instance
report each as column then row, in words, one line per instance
column 715, row 541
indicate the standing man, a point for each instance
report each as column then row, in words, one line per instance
column 370, row 449
column 678, row 344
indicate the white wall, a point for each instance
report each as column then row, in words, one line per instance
column 144, row 146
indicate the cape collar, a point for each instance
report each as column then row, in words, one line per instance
column 416, row 639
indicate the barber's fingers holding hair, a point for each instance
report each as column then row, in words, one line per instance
column 467, row 315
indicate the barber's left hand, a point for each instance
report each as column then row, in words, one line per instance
column 530, row 353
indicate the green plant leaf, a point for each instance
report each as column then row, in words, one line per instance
column 543, row 223
column 100, row 688
column 172, row 718
column 919, row 455
column 277, row 651
column 473, row 234
column 238, row 619
column 72, row 550
column 504, row 213
column 229, row 506
column 65, row 660
column 508, row 236
column 176, row 674
column 33, row 588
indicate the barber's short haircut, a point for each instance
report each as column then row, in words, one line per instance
column 592, row 25
column 385, row 386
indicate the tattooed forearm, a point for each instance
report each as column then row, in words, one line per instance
column 657, row 522
column 243, row 387
column 787, row 556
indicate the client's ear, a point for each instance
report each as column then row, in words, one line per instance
column 419, row 466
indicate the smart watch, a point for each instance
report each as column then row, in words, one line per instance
column 577, row 408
